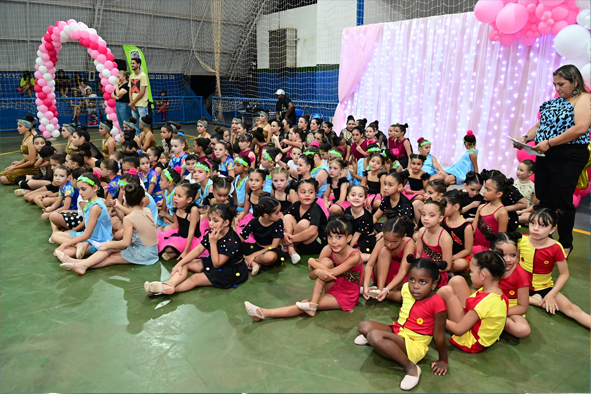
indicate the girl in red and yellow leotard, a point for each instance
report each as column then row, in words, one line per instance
column 421, row 318
column 476, row 321
column 539, row 254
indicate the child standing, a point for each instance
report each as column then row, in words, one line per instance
column 477, row 320
column 526, row 187
column 422, row 317
column 433, row 241
column 459, row 229
column 337, row 271
column 138, row 246
column 514, row 283
column 539, row 255
column 456, row 174
column 491, row 217
column 267, row 228
column 96, row 217
column 183, row 235
column 224, row 268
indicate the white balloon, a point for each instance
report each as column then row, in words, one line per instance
column 39, row 61
column 65, row 37
column 83, row 26
column 578, row 61
column 51, row 83
column 39, row 53
column 572, row 41
column 581, row 17
column 96, row 62
column 67, row 29
column 55, row 133
column 114, row 132
column 43, row 69
column 47, row 76
column 100, row 67
column 117, row 131
column 586, row 71
column 44, row 121
column 589, row 52
column 50, row 127
column 40, row 115
column 91, row 31
column 582, row 4
column 112, row 79
column 118, row 137
column 106, row 73
column 74, row 26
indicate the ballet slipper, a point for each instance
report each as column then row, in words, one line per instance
column 295, row 258
column 80, row 250
column 374, row 292
column 308, row 307
column 254, row 311
column 60, row 255
column 255, row 268
column 167, row 256
column 410, row 382
column 159, row 288
column 50, row 241
column 68, row 266
column 20, row 192
column 147, row 288
column 361, row 340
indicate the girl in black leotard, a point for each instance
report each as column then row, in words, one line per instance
column 281, row 187
column 374, row 178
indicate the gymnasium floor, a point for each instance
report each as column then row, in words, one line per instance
column 60, row 332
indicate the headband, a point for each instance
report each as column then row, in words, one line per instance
column 395, row 165
column 122, row 183
column 264, row 115
column 376, row 149
column 335, row 153
column 167, row 174
column 240, row 161
column 25, row 123
column 203, row 122
column 237, row 120
column 202, row 166
column 70, row 127
column 105, row 126
column 86, row 180
column 144, row 124
column 308, row 153
column 424, row 142
column 129, row 124
column 267, row 156
column 174, row 129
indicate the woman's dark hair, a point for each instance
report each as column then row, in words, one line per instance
column 272, row 151
column 130, row 145
column 374, row 125
column 93, row 178
column 130, row 178
column 258, row 134
column 58, row 158
column 77, row 158
column 325, row 147
column 437, row 184
column 299, row 132
column 455, row 197
column 400, row 177
column 311, row 181
column 267, row 205
column 402, row 127
column 63, row 168
column 502, row 184
column 263, row 172
column 308, row 159
column 440, row 205
column 399, row 225
column 499, row 238
column 529, row 164
column 203, row 143
column 470, row 138
column 307, row 120
column 245, row 138
column 190, row 188
column 144, row 155
column 572, row 74
column 134, row 194
column 350, row 117
column 85, row 149
column 545, row 216
column 339, row 224
column 111, row 165
column 135, row 162
column 320, row 133
column 362, row 123
column 221, row 182
column 423, row 263
column 359, row 129
column 328, row 124
column 47, row 151
column 82, row 133
column 191, row 158
column 107, row 122
column 317, row 121
column 79, row 171
column 225, row 211
column 417, row 156
column 39, row 136
column 338, row 140
column 176, row 177
column 147, row 119
column 491, row 261
column 474, row 178
column 156, row 150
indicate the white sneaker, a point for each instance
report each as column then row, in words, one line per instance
column 410, row 382
column 295, row 258
column 361, row 340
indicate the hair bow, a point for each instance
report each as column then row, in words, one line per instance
column 132, row 171
column 97, row 173
column 178, row 169
column 315, row 143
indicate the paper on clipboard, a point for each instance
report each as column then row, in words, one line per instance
column 528, row 148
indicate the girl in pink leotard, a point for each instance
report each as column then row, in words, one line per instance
column 491, row 217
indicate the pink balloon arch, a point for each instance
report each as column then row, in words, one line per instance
column 51, row 45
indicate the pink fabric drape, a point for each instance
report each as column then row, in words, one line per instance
column 357, row 48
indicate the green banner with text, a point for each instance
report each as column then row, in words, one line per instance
column 133, row 52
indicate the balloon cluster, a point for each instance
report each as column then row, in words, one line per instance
column 527, row 20
column 51, row 44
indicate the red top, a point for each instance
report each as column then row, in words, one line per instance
column 418, row 316
column 518, row 279
column 393, row 144
column 356, row 153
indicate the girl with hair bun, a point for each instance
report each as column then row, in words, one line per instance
column 477, row 319
column 26, row 166
column 491, row 217
column 422, row 318
column 346, row 133
column 108, row 145
column 398, row 141
column 146, row 138
column 459, row 229
column 140, row 238
column 456, row 174
column 337, row 272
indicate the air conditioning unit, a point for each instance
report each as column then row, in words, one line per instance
column 283, row 45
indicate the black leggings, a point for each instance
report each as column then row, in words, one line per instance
column 557, row 175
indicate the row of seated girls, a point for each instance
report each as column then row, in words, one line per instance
column 374, row 220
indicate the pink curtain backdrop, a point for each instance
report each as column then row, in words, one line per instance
column 443, row 76
column 357, row 47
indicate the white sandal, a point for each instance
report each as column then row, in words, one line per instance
column 361, row 340
column 307, row 306
column 410, row 382
column 253, row 311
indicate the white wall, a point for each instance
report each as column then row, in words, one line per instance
column 332, row 17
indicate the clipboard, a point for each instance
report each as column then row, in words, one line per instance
column 529, row 149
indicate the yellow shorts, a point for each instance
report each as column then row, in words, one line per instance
column 416, row 345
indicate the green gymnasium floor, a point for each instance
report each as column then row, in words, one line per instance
column 60, row 332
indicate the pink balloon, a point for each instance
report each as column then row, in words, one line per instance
column 38, row 75
column 108, row 64
column 109, row 89
column 51, row 96
column 54, row 121
column 49, row 64
column 585, row 192
column 559, row 26
column 44, row 57
column 494, row 35
column 100, row 57
column 571, row 18
column 49, row 115
column 46, row 134
column 111, row 103
column 93, row 37
column 527, row 41
column 84, row 34
column 551, row 3
column 53, row 109
column 43, row 109
column 47, row 102
column 523, row 155
column 75, row 35
column 533, row 178
column 61, row 24
column 507, row 39
column 559, row 13
column 512, row 18
column 42, row 127
column 42, row 82
column 94, row 53
column 38, row 101
column 576, row 200
column 544, row 28
column 94, row 44
column 109, row 110
column 43, row 48
column 46, row 89
column 114, row 71
column 102, row 50
column 486, row 11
